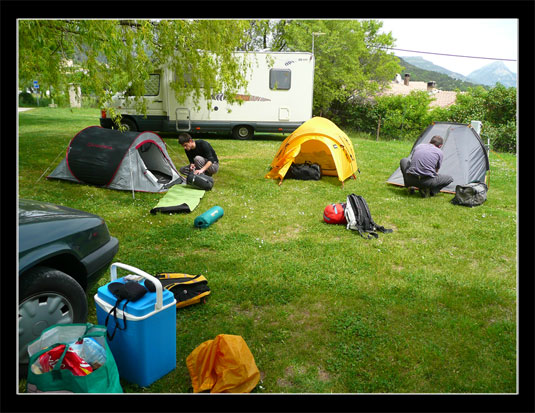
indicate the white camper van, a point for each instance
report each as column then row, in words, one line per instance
column 278, row 98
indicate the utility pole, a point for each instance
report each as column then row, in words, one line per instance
column 315, row 34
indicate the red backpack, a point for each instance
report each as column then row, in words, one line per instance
column 334, row 214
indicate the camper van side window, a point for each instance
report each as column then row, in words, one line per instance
column 280, row 79
column 152, row 85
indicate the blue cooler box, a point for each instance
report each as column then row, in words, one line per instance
column 146, row 350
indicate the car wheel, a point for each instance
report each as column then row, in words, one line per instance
column 129, row 124
column 242, row 132
column 47, row 297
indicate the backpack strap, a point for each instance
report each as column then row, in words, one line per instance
column 375, row 226
column 364, row 212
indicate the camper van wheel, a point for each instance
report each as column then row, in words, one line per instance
column 130, row 125
column 242, row 132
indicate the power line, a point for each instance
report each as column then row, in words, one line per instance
column 454, row 55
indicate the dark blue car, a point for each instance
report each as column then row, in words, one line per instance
column 60, row 250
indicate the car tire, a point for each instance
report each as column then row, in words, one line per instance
column 130, row 125
column 47, row 297
column 242, row 132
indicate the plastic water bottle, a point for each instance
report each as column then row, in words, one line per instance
column 93, row 353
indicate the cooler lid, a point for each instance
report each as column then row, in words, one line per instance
column 143, row 306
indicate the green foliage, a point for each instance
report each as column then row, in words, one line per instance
column 400, row 116
column 502, row 137
column 109, row 56
column 265, row 34
column 200, row 54
column 500, row 105
column 468, row 106
column 405, row 117
column 349, row 58
column 26, row 99
column 495, row 108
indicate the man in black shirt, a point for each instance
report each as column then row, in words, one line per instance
column 201, row 155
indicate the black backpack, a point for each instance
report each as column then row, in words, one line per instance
column 359, row 218
column 471, row 195
column 304, row 171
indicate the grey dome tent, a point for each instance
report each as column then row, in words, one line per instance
column 130, row 161
column 465, row 156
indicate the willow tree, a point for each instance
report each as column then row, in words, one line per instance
column 104, row 57
column 351, row 57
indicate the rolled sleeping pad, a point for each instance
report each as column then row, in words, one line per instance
column 209, row 217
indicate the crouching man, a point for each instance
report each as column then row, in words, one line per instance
column 422, row 170
column 202, row 157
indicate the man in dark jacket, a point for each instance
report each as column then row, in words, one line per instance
column 422, row 170
column 202, row 157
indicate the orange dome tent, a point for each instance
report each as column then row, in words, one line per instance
column 320, row 141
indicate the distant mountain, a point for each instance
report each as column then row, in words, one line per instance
column 493, row 73
column 427, row 65
column 443, row 81
column 488, row 75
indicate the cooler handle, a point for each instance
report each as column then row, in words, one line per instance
column 155, row 281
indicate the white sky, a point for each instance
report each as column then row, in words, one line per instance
column 493, row 38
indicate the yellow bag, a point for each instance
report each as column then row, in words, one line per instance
column 223, row 365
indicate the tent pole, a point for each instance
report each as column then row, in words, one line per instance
column 131, row 176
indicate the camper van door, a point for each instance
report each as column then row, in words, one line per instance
column 154, row 94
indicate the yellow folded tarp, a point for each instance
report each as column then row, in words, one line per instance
column 223, row 365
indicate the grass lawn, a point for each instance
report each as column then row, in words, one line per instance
column 429, row 308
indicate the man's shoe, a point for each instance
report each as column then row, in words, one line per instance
column 425, row 192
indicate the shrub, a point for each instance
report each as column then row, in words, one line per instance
column 26, row 99
column 405, row 117
column 401, row 117
column 502, row 137
column 495, row 108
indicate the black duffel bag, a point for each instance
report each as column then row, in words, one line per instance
column 304, row 171
column 470, row 195
column 200, row 181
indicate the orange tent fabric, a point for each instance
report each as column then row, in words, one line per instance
column 223, row 365
column 320, row 141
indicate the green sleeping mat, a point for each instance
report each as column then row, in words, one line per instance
column 179, row 198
